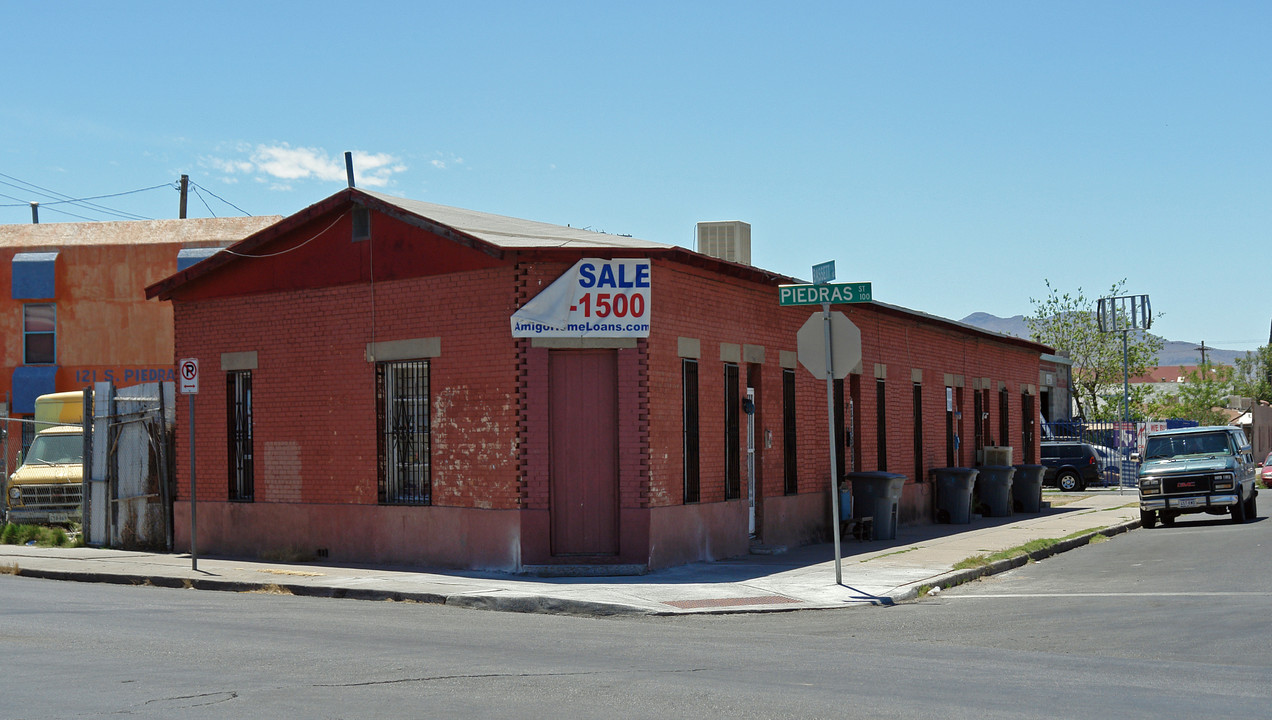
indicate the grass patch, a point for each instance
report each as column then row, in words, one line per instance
column 40, row 535
column 11, row 569
column 1060, row 500
column 1029, row 548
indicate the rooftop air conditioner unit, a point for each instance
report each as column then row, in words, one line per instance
column 726, row 240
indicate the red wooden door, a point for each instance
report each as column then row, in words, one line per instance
column 583, row 412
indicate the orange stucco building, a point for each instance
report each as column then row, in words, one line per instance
column 73, row 308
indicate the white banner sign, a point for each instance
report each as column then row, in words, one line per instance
column 595, row 298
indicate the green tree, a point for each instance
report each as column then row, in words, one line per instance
column 1201, row 395
column 1253, row 375
column 1068, row 323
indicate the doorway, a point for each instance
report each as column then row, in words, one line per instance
column 583, row 446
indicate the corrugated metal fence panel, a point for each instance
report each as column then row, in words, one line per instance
column 128, row 505
column 138, row 438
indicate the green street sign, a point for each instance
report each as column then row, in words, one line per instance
column 828, row 293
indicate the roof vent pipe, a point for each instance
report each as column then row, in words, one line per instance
column 349, row 166
column 35, row 213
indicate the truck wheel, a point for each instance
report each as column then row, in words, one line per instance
column 1168, row 519
column 1252, row 510
column 1239, row 512
column 1148, row 518
column 1069, row 481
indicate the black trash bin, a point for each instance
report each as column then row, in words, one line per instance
column 993, row 489
column 954, row 494
column 1026, row 488
column 877, row 495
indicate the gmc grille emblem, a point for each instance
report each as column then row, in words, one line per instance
column 1190, row 483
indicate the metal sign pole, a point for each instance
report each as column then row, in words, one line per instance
column 830, row 424
column 194, row 497
column 188, row 378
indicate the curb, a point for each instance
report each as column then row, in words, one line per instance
column 508, row 603
column 537, row 604
column 959, row 577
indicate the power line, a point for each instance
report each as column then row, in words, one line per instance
column 218, row 197
column 205, row 202
column 62, row 198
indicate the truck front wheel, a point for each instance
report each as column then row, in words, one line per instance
column 1148, row 518
column 1239, row 511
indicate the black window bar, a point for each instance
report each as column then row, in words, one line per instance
column 238, row 413
column 689, row 380
column 403, row 422
column 790, row 440
column 732, row 437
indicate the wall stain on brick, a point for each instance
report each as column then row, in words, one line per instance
column 475, row 438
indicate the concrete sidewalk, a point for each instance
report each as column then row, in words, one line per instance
column 879, row 572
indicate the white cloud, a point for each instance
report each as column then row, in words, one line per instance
column 285, row 163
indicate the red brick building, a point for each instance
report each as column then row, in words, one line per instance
column 363, row 396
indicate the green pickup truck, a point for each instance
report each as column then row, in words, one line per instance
column 1196, row 470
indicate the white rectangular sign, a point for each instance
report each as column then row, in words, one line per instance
column 188, row 376
column 595, row 298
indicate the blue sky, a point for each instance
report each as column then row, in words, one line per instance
column 956, row 155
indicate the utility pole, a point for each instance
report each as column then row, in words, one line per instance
column 185, row 191
column 1203, row 351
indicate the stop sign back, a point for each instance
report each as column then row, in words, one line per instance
column 845, row 345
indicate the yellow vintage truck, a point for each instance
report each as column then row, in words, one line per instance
column 48, row 485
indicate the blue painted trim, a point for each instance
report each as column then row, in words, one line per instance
column 189, row 256
column 33, row 276
column 29, row 383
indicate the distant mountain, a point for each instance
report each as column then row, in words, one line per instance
column 1173, row 352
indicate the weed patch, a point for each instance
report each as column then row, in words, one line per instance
column 14, row 534
column 271, row 589
column 1028, row 549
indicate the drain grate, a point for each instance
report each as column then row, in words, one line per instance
column 730, row 602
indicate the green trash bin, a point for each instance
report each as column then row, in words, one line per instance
column 1026, row 488
column 993, row 489
column 954, row 494
column 877, row 495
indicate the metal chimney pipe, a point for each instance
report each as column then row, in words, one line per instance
column 349, row 166
column 35, row 213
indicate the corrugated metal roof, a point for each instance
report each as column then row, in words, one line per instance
column 133, row 232
column 515, row 233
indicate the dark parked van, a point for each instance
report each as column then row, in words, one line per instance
column 1070, row 464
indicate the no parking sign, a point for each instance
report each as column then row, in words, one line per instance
column 188, row 376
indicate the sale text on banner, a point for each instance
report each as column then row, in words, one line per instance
column 595, row 298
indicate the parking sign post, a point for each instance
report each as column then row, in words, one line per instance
column 188, row 373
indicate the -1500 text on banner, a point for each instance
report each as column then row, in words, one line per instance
column 595, row 298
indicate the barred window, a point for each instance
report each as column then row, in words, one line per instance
column 689, row 384
column 732, row 434
column 402, row 415
column 790, row 450
column 238, row 415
